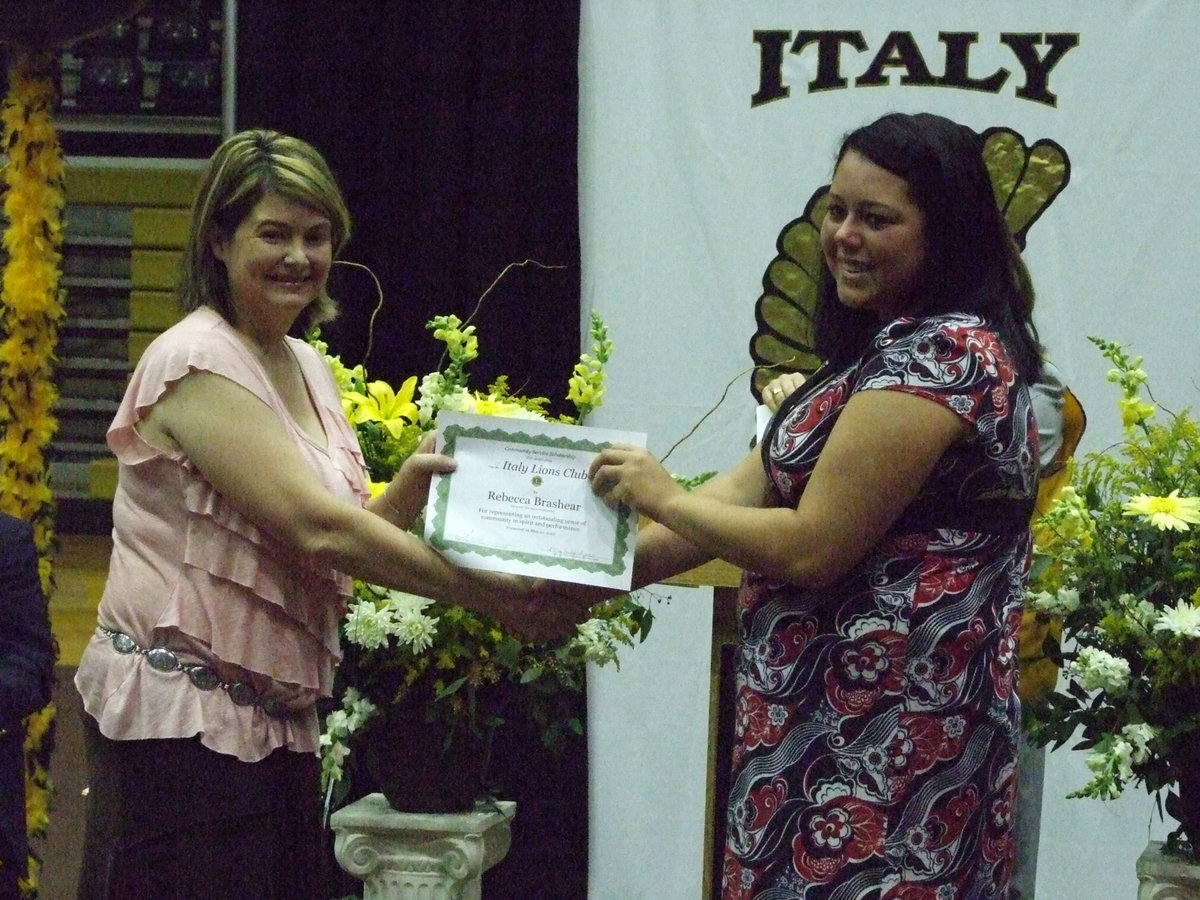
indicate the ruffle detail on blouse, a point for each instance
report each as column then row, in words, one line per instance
column 339, row 435
column 257, row 636
column 255, row 603
column 238, row 585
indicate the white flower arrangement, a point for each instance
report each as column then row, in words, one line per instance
column 1117, row 560
column 459, row 665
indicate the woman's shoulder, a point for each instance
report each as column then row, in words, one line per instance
column 943, row 335
column 201, row 341
column 203, row 326
column 951, row 352
column 955, row 326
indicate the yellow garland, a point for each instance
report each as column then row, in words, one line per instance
column 30, row 312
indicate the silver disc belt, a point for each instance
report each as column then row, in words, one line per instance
column 162, row 659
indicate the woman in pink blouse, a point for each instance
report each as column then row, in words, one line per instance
column 240, row 515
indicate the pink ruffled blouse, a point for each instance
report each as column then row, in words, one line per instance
column 191, row 574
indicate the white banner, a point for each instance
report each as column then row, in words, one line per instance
column 705, row 129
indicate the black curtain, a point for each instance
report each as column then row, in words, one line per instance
column 452, row 128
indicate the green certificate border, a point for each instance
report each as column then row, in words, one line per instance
column 441, row 499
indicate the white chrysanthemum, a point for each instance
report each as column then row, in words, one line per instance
column 368, row 626
column 1182, row 620
column 1096, row 669
column 415, row 629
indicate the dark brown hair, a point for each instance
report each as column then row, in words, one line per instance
column 972, row 264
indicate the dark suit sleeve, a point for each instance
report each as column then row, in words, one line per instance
column 26, row 645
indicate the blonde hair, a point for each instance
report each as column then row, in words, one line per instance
column 244, row 169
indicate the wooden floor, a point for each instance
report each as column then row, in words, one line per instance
column 80, row 567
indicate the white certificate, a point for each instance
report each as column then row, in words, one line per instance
column 520, row 501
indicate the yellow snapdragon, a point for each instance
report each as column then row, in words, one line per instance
column 1134, row 411
column 461, row 343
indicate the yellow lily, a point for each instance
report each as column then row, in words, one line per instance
column 394, row 410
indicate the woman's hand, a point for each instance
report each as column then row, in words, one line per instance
column 525, row 609
column 631, row 475
column 407, row 492
column 582, row 596
column 780, row 388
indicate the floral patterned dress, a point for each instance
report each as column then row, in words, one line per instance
column 875, row 745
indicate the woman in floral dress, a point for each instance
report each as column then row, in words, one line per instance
column 884, row 530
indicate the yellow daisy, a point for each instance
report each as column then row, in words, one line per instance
column 1171, row 511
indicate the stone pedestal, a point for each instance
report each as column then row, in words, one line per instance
column 420, row 856
column 1162, row 877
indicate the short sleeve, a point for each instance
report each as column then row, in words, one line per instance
column 955, row 361
column 201, row 342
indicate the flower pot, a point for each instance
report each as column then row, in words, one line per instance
column 418, row 770
column 1184, row 804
